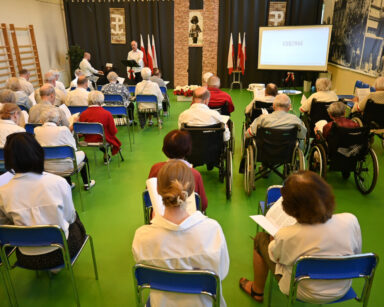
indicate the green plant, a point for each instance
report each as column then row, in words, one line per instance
column 75, row 55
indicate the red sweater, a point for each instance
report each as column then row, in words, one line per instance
column 104, row 117
column 219, row 98
column 341, row 122
column 199, row 187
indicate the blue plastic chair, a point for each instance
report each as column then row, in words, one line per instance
column 149, row 99
column 132, row 89
column 147, row 206
column 2, row 166
column 272, row 195
column 72, row 88
column 30, row 128
column 41, row 236
column 23, row 108
column 361, row 84
column 99, row 87
column 113, row 99
column 180, row 281
column 333, row 268
column 122, row 112
column 66, row 152
column 77, row 109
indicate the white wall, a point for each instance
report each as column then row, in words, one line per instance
column 47, row 18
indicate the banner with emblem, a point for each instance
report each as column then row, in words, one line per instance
column 276, row 14
column 117, row 23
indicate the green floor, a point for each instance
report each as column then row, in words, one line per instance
column 113, row 211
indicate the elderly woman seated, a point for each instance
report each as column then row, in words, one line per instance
column 96, row 114
column 336, row 112
column 147, row 87
column 177, row 145
column 49, row 202
column 115, row 88
column 10, row 115
column 52, row 134
column 178, row 240
column 22, row 99
column 323, row 94
column 318, row 232
column 7, row 96
column 377, row 97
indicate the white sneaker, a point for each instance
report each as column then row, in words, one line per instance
column 91, row 184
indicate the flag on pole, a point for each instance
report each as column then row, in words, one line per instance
column 230, row 56
column 149, row 54
column 154, row 53
column 243, row 56
column 239, row 52
column 142, row 48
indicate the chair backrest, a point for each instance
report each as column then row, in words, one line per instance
column 113, row 99
column 180, row 281
column 132, row 89
column 257, row 108
column 30, row 128
column 99, row 87
column 58, row 152
column 146, row 98
column 23, row 108
column 207, row 144
column 275, row 146
column 163, row 90
column 223, row 110
column 273, row 194
column 374, row 115
column 116, row 110
column 361, row 84
column 88, row 128
column 1, row 154
column 335, row 268
column 318, row 112
column 72, row 88
column 77, row 109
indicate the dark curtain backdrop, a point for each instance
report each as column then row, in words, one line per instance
column 88, row 26
column 247, row 16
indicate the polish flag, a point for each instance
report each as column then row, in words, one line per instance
column 154, row 53
column 243, row 56
column 239, row 53
column 149, row 54
column 142, row 48
column 230, row 56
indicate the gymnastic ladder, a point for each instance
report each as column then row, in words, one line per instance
column 7, row 65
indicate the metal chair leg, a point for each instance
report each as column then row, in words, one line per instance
column 93, row 257
column 80, row 193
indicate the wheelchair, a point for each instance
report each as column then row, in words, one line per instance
column 209, row 147
column 257, row 110
column 346, row 150
column 272, row 148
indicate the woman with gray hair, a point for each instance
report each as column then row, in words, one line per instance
column 377, row 97
column 147, row 87
column 96, row 114
column 323, row 94
column 52, row 134
column 22, row 99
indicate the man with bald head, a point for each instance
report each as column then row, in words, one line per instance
column 60, row 96
column 135, row 55
column 200, row 115
column 79, row 96
column 87, row 68
column 48, row 95
column 218, row 97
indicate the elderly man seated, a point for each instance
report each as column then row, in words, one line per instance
column 218, row 97
column 147, row 87
column 323, row 94
column 377, row 97
column 115, row 88
column 78, row 73
column 200, row 115
column 48, row 97
column 59, row 85
column 60, row 96
column 26, row 86
column 22, row 99
column 270, row 93
column 279, row 119
column 79, row 96
column 96, row 114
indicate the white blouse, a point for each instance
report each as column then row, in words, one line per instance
column 7, row 127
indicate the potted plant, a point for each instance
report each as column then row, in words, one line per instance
column 75, row 55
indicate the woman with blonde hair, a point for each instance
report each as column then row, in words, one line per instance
column 178, row 240
column 9, row 119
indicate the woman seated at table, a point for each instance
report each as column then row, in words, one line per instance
column 96, row 114
column 10, row 115
column 318, row 232
column 177, row 144
column 34, row 197
column 51, row 134
column 178, row 240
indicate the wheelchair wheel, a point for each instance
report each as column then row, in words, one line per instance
column 249, row 175
column 228, row 175
column 232, row 140
column 298, row 162
column 243, row 139
column 366, row 173
column 306, row 144
column 358, row 121
column 317, row 161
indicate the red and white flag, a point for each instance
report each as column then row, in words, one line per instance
column 149, row 54
column 142, row 48
column 239, row 52
column 154, row 53
column 230, row 56
column 243, row 56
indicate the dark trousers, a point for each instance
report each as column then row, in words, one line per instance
column 138, row 77
column 131, row 111
column 85, row 174
column 76, row 237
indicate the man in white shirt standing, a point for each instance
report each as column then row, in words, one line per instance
column 135, row 55
column 79, row 96
column 26, row 86
column 87, row 68
column 199, row 114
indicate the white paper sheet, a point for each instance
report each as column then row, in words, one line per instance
column 5, row 178
column 32, row 98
